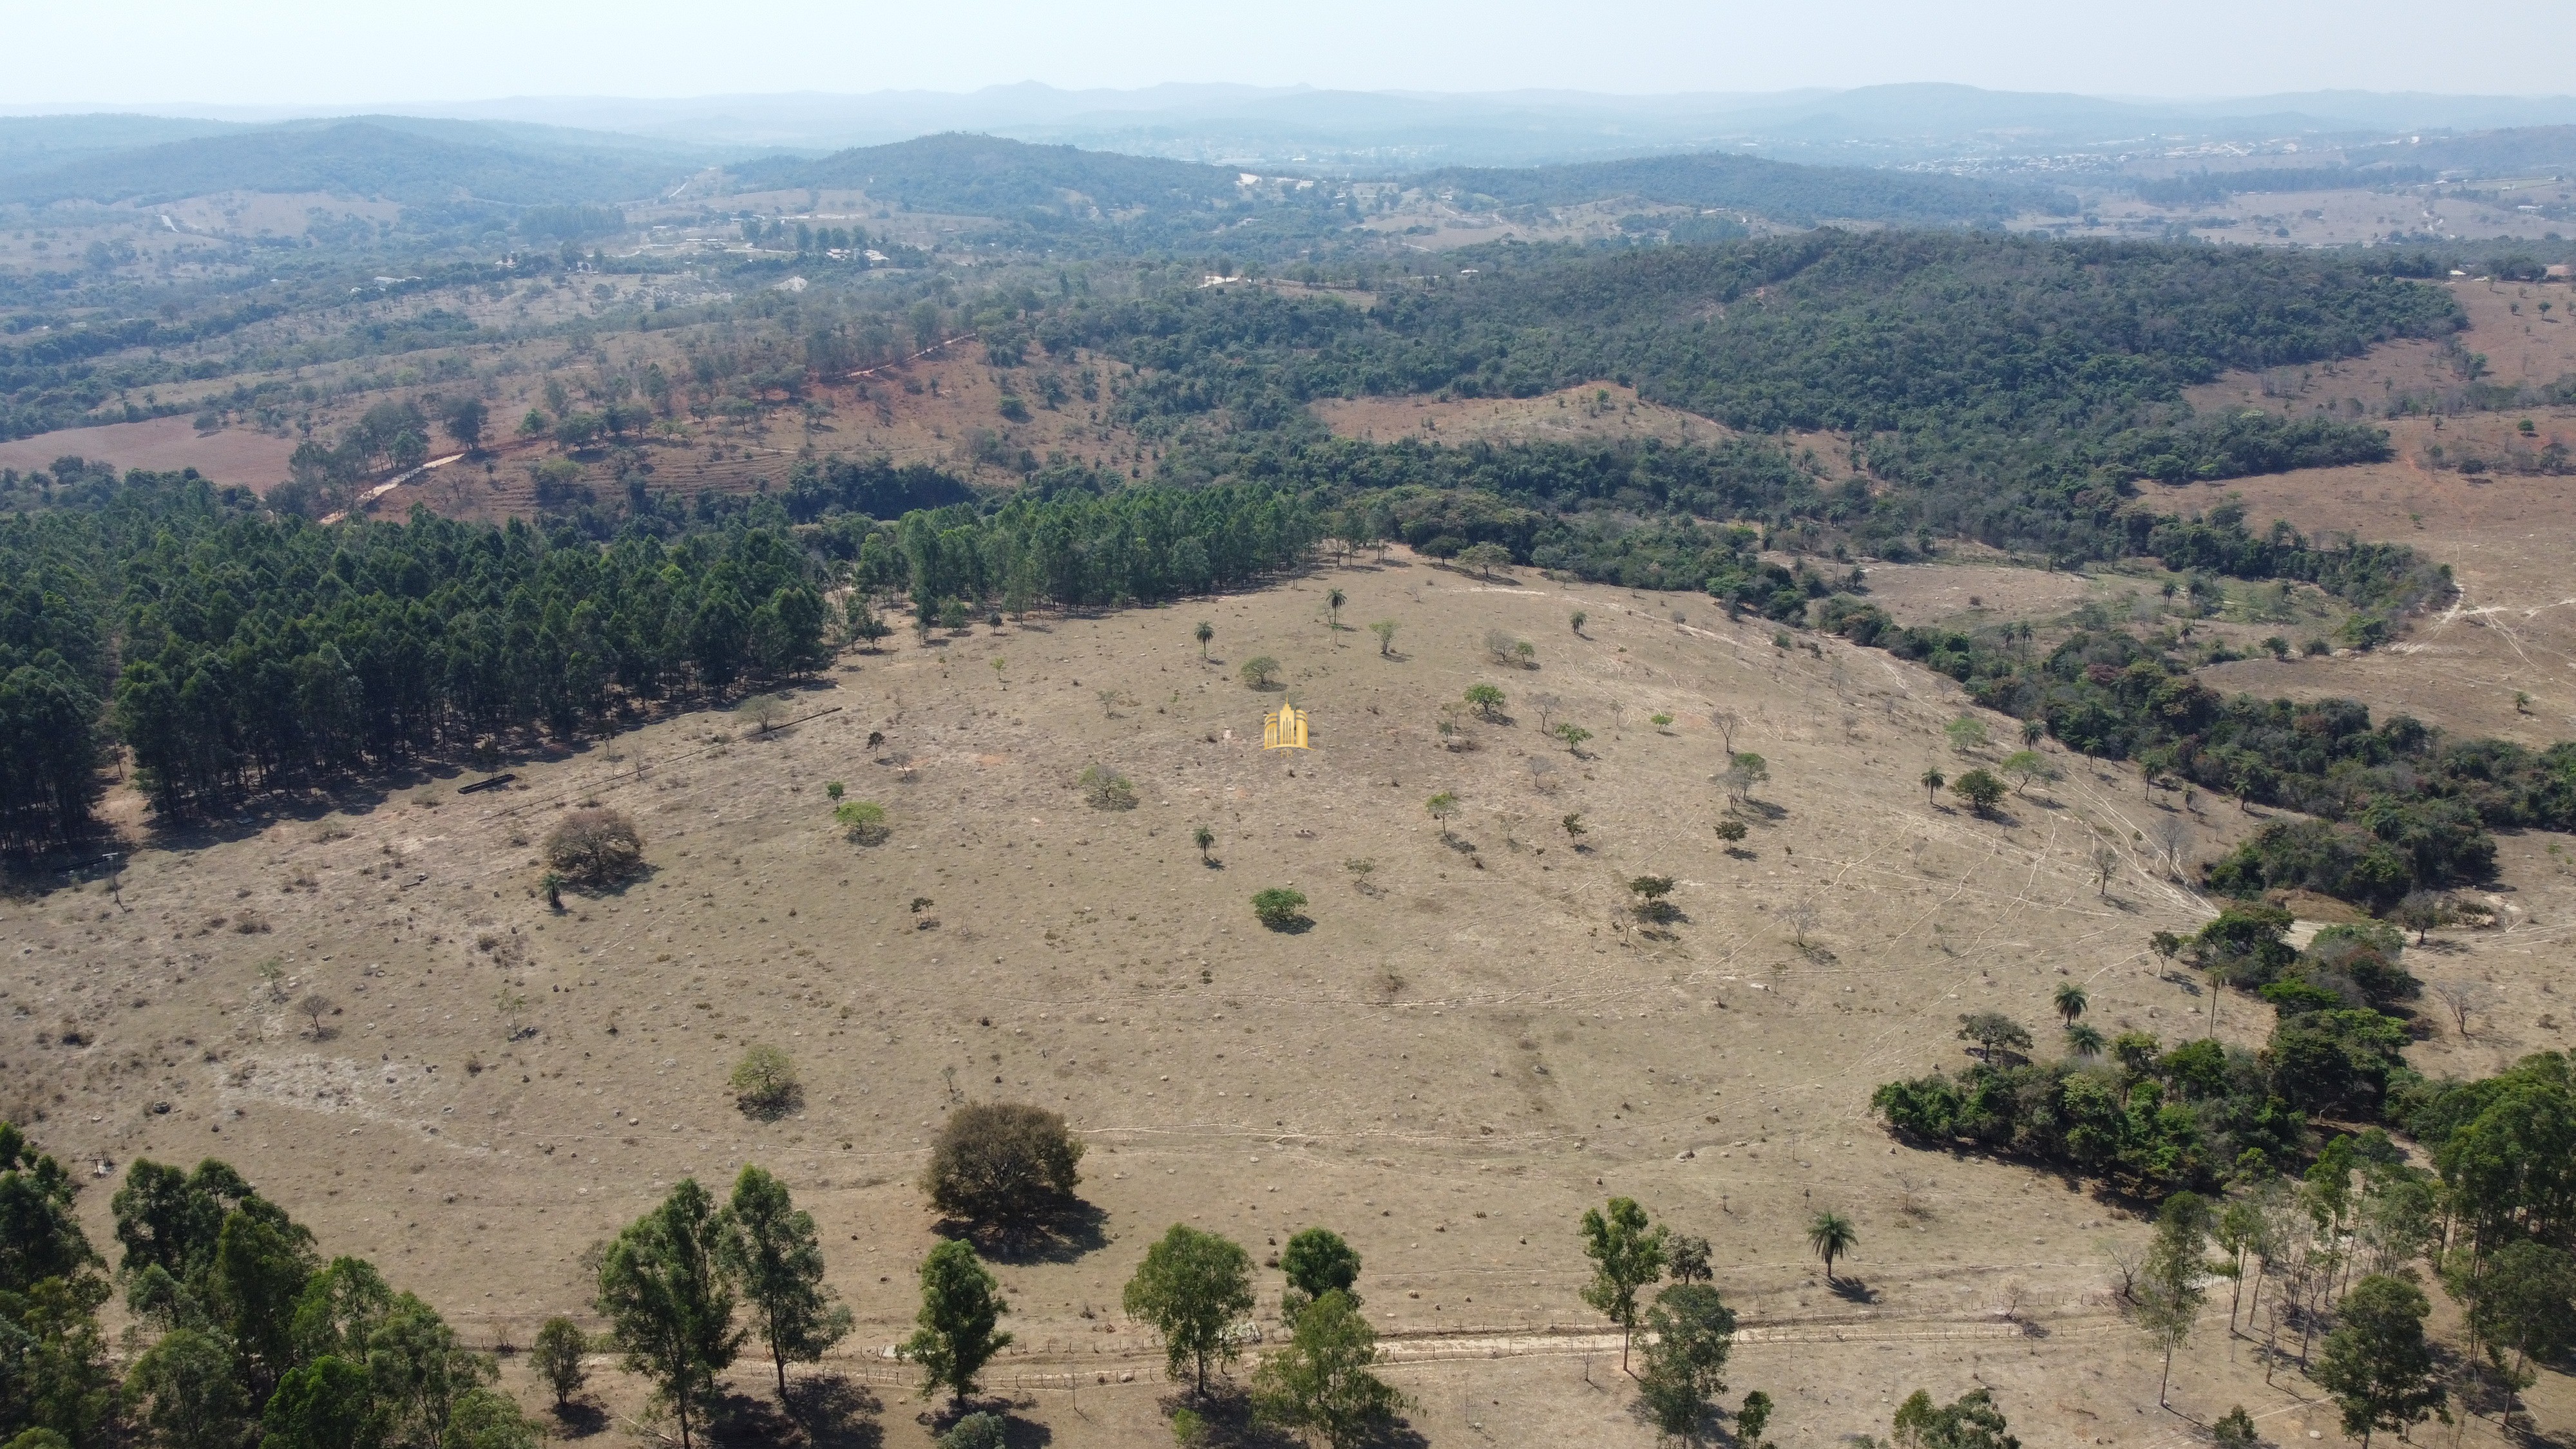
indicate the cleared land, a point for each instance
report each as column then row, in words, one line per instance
column 228, row 455
column 1471, row 1043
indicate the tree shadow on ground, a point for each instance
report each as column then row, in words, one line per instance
column 837, row 1413
column 1063, row 1236
column 1852, row 1290
column 579, row 1419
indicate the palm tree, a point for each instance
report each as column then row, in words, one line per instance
column 2083, row 1041
column 2070, row 1002
column 1333, row 601
column 1203, row 838
column 1830, row 1236
column 1932, row 782
column 1203, row 634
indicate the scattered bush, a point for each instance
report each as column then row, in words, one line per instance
column 1106, row 789
column 865, row 820
column 982, row 1429
column 1260, row 670
column 1002, row 1164
column 1279, row 908
column 762, row 712
column 764, row 1083
column 1980, row 789
column 595, row 847
column 1485, row 700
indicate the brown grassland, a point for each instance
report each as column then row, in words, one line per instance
column 1473, row 1041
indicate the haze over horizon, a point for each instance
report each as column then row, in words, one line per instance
column 292, row 54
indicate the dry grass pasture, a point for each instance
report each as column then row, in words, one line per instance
column 227, row 455
column 1473, row 1040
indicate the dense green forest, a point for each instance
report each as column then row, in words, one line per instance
column 238, row 1325
column 1782, row 191
column 2013, row 388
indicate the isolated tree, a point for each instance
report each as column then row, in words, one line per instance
column 313, row 1007
column 596, row 846
column 1192, row 1287
column 960, row 1306
column 1577, row 618
column 762, row 712
column 2235, row 1430
column 1931, row 782
column 1333, row 601
column 1485, row 700
column 1992, row 1031
column 1965, row 733
column 1980, row 789
column 1384, row 629
column 1830, row 1235
column 1320, row 1381
column 764, row 1082
column 2070, row 1001
column 2463, row 999
column 1002, row 1164
column 2166, row 1294
column 557, row 1357
column 662, row 1290
column 2028, row 765
column 1278, row 908
column 1730, row 831
column 862, row 822
column 1651, row 906
column 2106, row 863
column 1575, row 829
column 1259, row 670
column 1627, row 1254
column 1202, row 837
column 1317, row 1261
column 1203, row 633
column 775, row 1258
column 1689, row 1332
column 1800, row 916
column 2377, row 1363
column 2172, row 838
column 1726, row 722
column 1573, row 734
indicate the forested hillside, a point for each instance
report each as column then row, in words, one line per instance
column 1799, row 195
column 348, row 158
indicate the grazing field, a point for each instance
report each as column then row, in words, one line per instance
column 229, row 455
column 1474, row 1039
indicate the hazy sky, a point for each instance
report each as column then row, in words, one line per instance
column 354, row 51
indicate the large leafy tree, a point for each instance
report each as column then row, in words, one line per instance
column 1193, row 1287
column 2376, row 1362
column 1690, row 1331
column 662, row 1290
column 960, row 1306
column 776, row 1258
column 1627, row 1253
column 1320, row 1381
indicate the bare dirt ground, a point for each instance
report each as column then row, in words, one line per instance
column 1470, row 1044
column 1592, row 410
column 228, row 455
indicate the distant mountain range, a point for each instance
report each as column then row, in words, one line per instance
column 1086, row 155
column 1353, row 131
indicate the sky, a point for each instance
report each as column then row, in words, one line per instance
column 356, row 52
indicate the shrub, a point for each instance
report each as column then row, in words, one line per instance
column 1278, row 907
column 1002, row 1164
column 1106, row 789
column 595, row 847
column 1485, row 700
column 982, row 1429
column 764, row 1082
column 762, row 712
column 1980, row 789
column 864, row 819
column 1259, row 670
column 557, row 1358
column 1965, row 733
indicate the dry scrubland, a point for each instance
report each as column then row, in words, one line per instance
column 1470, row 1044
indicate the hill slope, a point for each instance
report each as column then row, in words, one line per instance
column 392, row 159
